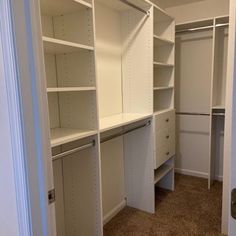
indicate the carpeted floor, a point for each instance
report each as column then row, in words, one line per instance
column 190, row 210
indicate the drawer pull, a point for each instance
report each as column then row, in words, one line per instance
column 167, row 153
column 167, row 120
column 167, row 137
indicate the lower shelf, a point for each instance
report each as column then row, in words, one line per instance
column 161, row 172
column 61, row 136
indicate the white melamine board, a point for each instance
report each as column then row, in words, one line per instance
column 112, row 169
column 70, row 70
column 70, row 89
column 139, row 174
column 122, row 119
column 161, row 172
column 73, row 110
column 61, row 136
column 159, row 41
column 59, row 190
column 198, row 10
column 137, row 36
column 119, row 6
column 57, row 46
column 163, row 76
column 164, row 53
column 163, row 87
column 59, row 7
column 193, row 71
column 82, row 212
column 220, row 66
column 163, row 99
column 192, row 141
column 77, row 27
column 108, row 52
column 160, row 64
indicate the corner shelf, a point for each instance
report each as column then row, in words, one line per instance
column 119, row 120
column 57, row 46
column 159, row 41
column 70, row 89
column 163, row 88
column 160, row 64
column 60, row 7
column 162, row 172
column 61, row 136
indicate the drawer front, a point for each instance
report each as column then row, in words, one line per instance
column 164, row 137
column 165, row 152
column 165, row 120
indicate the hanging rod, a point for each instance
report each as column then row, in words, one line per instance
column 135, row 7
column 78, row 149
column 192, row 114
column 201, row 28
column 103, row 140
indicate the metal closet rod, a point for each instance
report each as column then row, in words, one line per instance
column 201, row 28
column 78, row 149
column 103, row 140
column 135, row 7
column 192, row 114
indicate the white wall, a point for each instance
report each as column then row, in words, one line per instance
column 199, row 10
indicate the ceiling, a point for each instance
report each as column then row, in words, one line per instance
column 173, row 3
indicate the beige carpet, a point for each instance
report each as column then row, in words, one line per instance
column 190, row 210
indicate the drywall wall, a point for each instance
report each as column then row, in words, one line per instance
column 198, row 10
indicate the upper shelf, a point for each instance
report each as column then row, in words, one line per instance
column 70, row 89
column 57, row 46
column 61, row 7
column 159, row 41
column 160, row 64
column 119, row 120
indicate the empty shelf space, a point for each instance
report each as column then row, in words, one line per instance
column 163, row 111
column 160, row 64
column 70, row 89
column 219, row 107
column 57, row 46
column 160, row 15
column 159, row 41
column 116, row 121
column 163, row 88
column 60, row 7
column 61, row 136
column 162, row 172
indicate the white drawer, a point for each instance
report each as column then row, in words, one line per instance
column 164, row 136
column 165, row 152
column 165, row 120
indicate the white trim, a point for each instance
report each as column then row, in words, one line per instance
column 13, row 114
column 114, row 212
column 196, row 174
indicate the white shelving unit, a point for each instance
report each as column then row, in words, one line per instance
column 218, row 94
column 163, row 98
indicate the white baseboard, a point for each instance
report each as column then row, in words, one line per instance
column 114, row 212
column 196, row 174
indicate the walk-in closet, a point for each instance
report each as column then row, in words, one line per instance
column 136, row 93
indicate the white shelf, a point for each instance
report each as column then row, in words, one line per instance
column 163, row 111
column 221, row 107
column 61, row 7
column 163, row 88
column 61, row 136
column 57, row 46
column 159, row 41
column 162, row 172
column 118, row 120
column 70, row 89
column 160, row 64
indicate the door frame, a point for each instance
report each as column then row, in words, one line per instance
column 27, row 164
column 228, row 223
